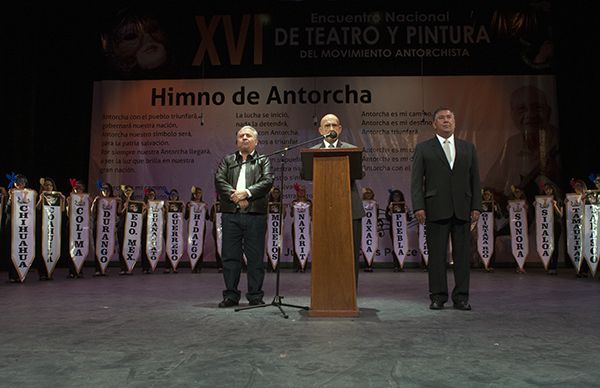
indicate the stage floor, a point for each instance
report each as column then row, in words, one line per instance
column 165, row 330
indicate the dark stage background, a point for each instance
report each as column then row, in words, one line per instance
column 53, row 54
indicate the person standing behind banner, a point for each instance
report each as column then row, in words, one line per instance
column 397, row 196
column 149, row 195
column 329, row 123
column 243, row 190
column 18, row 182
column 197, row 198
column 215, row 218
column 77, row 187
column 47, row 185
column 301, row 197
column 275, row 207
column 518, row 194
column 172, row 196
column 446, row 195
column 549, row 189
column 106, row 191
column 369, row 195
column 127, row 193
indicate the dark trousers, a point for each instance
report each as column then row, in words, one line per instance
column 438, row 233
column 243, row 233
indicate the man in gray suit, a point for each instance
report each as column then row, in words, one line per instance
column 331, row 123
column 446, row 195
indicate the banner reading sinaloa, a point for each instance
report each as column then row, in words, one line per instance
column 173, row 133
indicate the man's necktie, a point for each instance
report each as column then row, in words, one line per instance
column 447, row 151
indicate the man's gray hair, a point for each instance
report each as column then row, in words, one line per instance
column 254, row 131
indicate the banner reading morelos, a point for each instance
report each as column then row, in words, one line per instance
column 22, row 229
column 422, row 239
column 574, row 227
column 274, row 229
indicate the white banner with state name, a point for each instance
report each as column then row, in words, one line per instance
column 155, row 224
column 574, row 227
column 399, row 231
column 175, row 241
column 51, row 229
column 196, row 231
column 485, row 237
column 544, row 228
column 132, row 240
column 274, row 230
column 590, row 235
column 23, row 230
column 106, row 224
column 370, row 237
column 302, row 234
column 423, row 243
column 519, row 236
column 79, row 229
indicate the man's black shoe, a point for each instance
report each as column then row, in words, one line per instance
column 435, row 305
column 465, row 306
column 228, row 303
column 256, row 302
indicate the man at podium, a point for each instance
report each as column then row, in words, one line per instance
column 330, row 128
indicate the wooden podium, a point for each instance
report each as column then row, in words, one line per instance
column 333, row 283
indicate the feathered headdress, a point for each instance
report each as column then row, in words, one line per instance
column 73, row 182
column 12, row 179
column 592, row 177
column 99, row 184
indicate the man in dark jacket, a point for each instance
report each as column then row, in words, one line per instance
column 243, row 181
column 446, row 195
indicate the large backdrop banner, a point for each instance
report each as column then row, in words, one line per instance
column 173, row 133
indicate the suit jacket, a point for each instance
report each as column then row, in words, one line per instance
column 443, row 192
column 358, row 212
column 259, row 180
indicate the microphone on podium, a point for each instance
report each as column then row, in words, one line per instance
column 332, row 135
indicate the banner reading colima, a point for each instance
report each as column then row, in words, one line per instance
column 173, row 133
